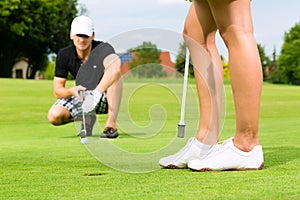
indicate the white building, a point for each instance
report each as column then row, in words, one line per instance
column 21, row 69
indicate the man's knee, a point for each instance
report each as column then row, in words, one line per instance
column 52, row 117
column 55, row 117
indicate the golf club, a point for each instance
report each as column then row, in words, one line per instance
column 181, row 123
column 82, row 135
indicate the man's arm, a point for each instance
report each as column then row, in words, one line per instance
column 112, row 72
column 60, row 90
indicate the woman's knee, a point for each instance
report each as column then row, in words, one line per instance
column 235, row 34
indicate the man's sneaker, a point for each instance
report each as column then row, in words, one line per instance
column 180, row 159
column 89, row 124
column 110, row 133
column 228, row 157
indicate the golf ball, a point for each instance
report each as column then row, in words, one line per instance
column 84, row 140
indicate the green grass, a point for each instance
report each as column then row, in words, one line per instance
column 40, row 161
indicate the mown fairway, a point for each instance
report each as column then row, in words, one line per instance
column 40, row 161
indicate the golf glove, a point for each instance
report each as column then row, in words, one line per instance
column 92, row 98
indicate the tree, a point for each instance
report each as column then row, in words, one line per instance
column 265, row 60
column 288, row 69
column 146, row 61
column 180, row 61
column 49, row 72
column 226, row 70
column 33, row 29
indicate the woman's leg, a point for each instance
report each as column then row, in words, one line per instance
column 199, row 34
column 234, row 20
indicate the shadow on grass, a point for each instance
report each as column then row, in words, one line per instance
column 276, row 156
column 124, row 135
column 273, row 156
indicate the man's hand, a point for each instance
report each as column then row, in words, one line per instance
column 92, row 98
column 76, row 91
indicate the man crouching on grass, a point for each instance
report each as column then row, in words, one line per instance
column 69, row 60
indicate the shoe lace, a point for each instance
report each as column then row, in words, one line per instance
column 218, row 146
column 223, row 142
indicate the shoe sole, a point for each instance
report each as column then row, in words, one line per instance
column 171, row 166
column 104, row 138
column 233, row 169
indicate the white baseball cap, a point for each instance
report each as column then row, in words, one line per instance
column 82, row 25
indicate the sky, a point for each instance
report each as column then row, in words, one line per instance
column 127, row 23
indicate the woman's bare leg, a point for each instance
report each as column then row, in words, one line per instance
column 199, row 34
column 234, row 20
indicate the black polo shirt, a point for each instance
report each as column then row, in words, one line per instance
column 67, row 59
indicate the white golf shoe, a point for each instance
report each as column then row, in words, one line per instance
column 228, row 157
column 180, row 159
